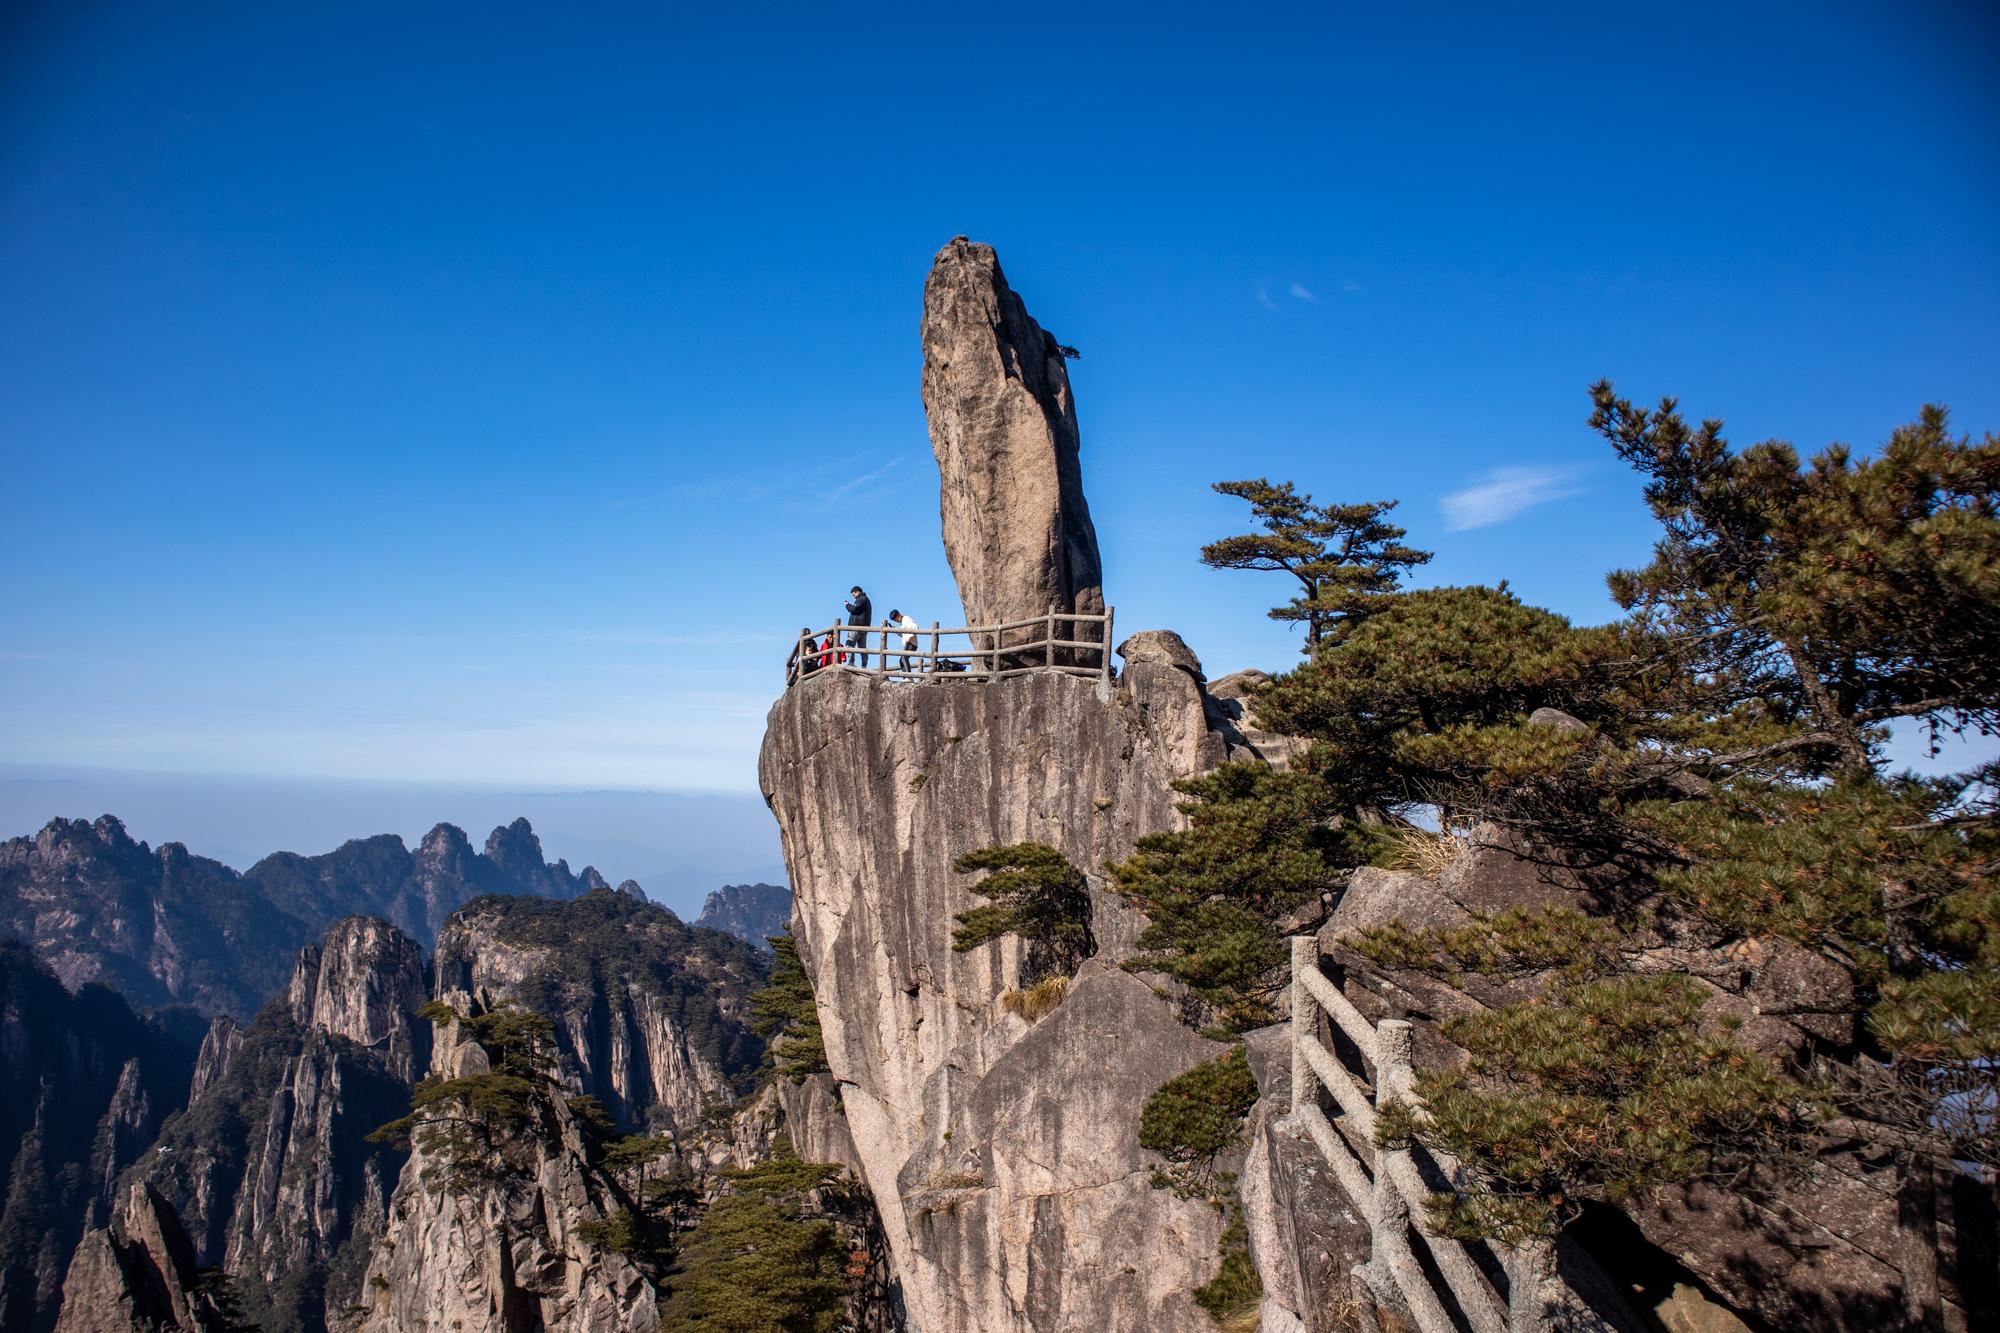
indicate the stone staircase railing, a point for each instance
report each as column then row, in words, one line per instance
column 1072, row 643
column 1446, row 1285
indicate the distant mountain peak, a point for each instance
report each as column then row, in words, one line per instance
column 752, row 912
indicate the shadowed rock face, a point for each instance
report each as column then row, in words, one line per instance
column 138, row 1276
column 84, row 1085
column 1003, row 427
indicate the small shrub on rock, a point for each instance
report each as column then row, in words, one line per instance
column 1196, row 1117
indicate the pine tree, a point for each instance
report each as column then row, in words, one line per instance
column 1256, row 848
column 761, row 1258
column 1036, row 894
column 1343, row 556
column 1840, row 594
column 472, row 1120
column 1718, row 754
column 786, row 1015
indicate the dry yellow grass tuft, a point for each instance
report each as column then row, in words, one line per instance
column 1039, row 999
column 1428, row 854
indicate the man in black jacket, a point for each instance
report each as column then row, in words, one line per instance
column 859, row 612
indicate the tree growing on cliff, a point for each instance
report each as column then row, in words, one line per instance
column 785, row 1014
column 471, row 1120
column 1343, row 556
column 1256, row 849
column 1036, row 894
column 763, row 1256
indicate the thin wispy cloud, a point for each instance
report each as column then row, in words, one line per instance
column 834, row 494
column 1504, row 492
column 819, row 486
column 1300, row 292
column 1264, row 297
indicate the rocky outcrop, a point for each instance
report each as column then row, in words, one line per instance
column 223, row 1040
column 1233, row 712
column 1003, row 426
column 652, row 1015
column 269, row 1170
column 752, row 912
column 138, row 1275
column 993, row 1145
column 84, row 1085
column 365, row 983
column 503, row 1251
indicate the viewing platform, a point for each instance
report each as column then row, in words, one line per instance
column 1062, row 642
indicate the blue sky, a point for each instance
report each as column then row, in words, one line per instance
column 482, row 394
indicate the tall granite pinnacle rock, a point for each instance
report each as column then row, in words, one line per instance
column 1001, row 1151
column 1003, row 427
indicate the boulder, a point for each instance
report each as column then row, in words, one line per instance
column 1161, row 645
column 1003, row 426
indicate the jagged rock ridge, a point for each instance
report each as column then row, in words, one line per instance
column 268, row 1179
column 752, row 912
column 268, row 1172
column 168, row 927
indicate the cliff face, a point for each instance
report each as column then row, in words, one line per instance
column 1002, row 1154
column 502, row 1250
column 652, row 1015
column 269, row 1171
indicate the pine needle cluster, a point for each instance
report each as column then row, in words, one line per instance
column 1193, row 1118
column 1036, row 894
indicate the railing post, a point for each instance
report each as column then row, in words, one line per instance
column 934, row 647
column 1305, row 954
column 1389, row 1211
column 1104, row 649
column 1528, row 1267
column 1393, row 1073
column 1049, row 638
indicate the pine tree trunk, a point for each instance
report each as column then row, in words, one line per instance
column 1917, row 1227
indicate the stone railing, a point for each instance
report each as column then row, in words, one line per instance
column 1451, row 1285
column 1072, row 643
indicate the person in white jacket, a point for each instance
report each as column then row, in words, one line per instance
column 897, row 620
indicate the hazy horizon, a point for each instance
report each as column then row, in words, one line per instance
column 677, row 845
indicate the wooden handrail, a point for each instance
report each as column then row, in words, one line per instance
column 1082, row 617
column 1385, row 1182
column 981, row 658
